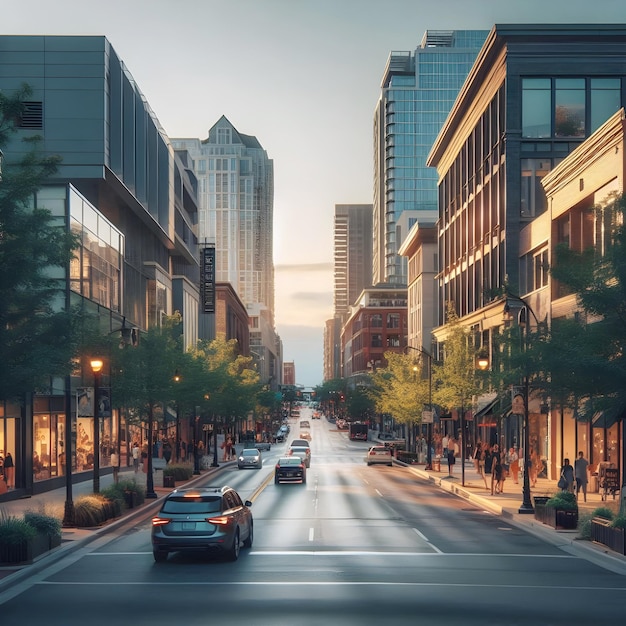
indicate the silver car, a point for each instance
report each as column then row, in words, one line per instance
column 250, row 457
column 207, row 519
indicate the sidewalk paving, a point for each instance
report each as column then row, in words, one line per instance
column 506, row 505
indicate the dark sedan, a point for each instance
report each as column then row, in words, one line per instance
column 290, row 469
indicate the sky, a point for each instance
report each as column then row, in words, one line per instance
column 303, row 77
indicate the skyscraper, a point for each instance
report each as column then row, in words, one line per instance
column 418, row 90
column 236, row 196
column 353, row 254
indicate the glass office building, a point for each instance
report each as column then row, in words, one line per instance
column 418, row 90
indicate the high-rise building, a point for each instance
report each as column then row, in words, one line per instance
column 236, row 197
column 418, row 90
column 236, row 207
column 353, row 254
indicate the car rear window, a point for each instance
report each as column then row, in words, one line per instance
column 289, row 461
column 379, row 450
column 249, row 453
column 200, row 504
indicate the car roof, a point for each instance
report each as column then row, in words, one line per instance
column 288, row 460
column 300, row 442
column 254, row 450
column 380, row 448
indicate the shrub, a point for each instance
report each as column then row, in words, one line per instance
column 619, row 522
column 44, row 524
column 563, row 500
column 90, row 510
column 179, row 471
column 604, row 512
column 15, row 530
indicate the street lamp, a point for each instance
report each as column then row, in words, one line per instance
column 96, row 368
column 177, row 379
column 429, row 423
column 524, row 323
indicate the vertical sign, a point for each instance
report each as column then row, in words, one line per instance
column 207, row 279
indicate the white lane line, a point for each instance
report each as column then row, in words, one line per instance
column 378, row 492
column 423, row 536
column 311, row 534
column 334, row 583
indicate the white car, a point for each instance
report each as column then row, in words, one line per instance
column 379, row 454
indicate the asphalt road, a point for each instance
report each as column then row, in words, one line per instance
column 355, row 545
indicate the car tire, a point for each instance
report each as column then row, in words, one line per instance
column 248, row 542
column 233, row 552
column 160, row 556
column 276, row 481
column 369, row 464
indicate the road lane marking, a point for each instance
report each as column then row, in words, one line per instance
column 423, row 536
column 311, row 534
column 378, row 492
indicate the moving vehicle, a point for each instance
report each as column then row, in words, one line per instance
column 263, row 445
column 290, row 469
column 206, row 519
column 305, row 424
column 302, row 452
column 305, row 434
column 250, row 457
column 358, row 432
column 390, row 440
column 379, row 454
column 300, row 442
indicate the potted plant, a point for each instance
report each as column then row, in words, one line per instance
column 561, row 511
column 610, row 532
column 46, row 526
column 16, row 540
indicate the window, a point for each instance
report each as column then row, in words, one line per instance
column 534, row 271
column 377, row 340
column 533, row 200
column 536, row 98
column 604, row 101
column 569, row 107
column 376, row 320
column 32, row 115
column 393, row 320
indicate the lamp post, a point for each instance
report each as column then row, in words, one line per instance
column 177, row 378
column 96, row 368
column 429, row 424
column 524, row 323
column 68, row 516
column 196, row 449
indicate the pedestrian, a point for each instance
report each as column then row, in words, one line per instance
column 533, row 468
column 566, row 480
column 136, row 452
column 451, row 461
column 514, row 464
column 9, row 471
column 496, row 469
column 488, row 459
column 167, row 450
column 444, row 445
column 581, row 466
column 115, row 464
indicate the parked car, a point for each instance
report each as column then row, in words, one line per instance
column 207, row 519
column 302, row 452
column 379, row 454
column 250, row 457
column 263, row 445
column 279, row 436
column 290, row 469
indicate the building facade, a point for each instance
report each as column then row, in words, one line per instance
column 418, row 90
column 352, row 254
column 377, row 324
column 534, row 95
column 130, row 200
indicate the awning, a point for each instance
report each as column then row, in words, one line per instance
column 486, row 409
column 604, row 419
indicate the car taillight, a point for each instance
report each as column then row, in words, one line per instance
column 160, row 521
column 222, row 520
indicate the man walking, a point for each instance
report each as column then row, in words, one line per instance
column 581, row 466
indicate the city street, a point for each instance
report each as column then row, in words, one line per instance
column 355, row 545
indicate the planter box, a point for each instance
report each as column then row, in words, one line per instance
column 26, row 551
column 613, row 538
column 169, row 481
column 557, row 518
column 130, row 498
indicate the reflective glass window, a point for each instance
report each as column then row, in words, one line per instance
column 569, row 107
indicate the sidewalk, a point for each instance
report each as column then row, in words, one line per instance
column 506, row 505
column 53, row 503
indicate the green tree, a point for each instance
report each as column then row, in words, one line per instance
column 596, row 362
column 37, row 335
